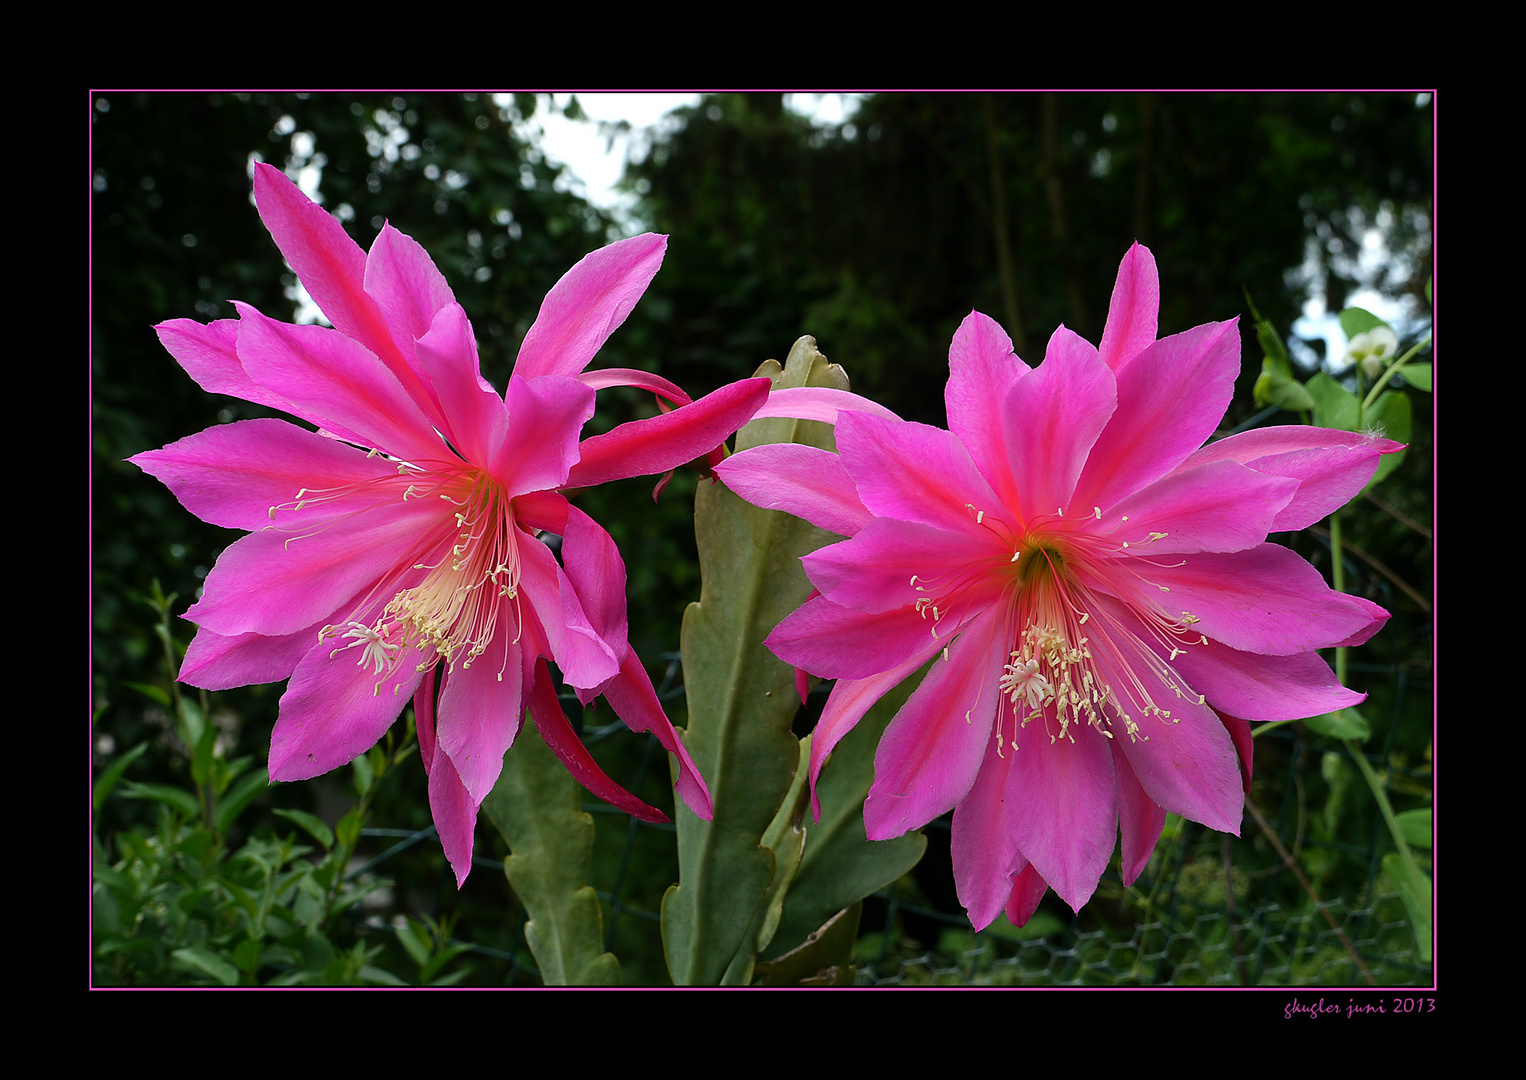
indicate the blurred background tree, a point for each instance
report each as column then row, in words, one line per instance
column 876, row 235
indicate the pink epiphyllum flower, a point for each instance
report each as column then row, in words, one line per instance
column 1092, row 584
column 397, row 548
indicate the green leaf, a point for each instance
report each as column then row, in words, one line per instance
column 1415, row 893
column 312, row 824
column 820, row 960
column 538, row 807
column 1355, row 320
column 741, row 698
column 206, row 963
column 158, row 693
column 1415, row 826
column 114, row 773
column 1342, row 724
column 347, row 832
column 237, row 801
column 177, row 799
column 1417, row 375
column 1276, row 386
column 1334, row 405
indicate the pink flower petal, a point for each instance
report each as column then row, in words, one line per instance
column 891, row 564
column 453, row 809
column 336, row 384
column 277, row 581
column 839, row 643
column 1331, row 466
column 407, row 288
column 597, row 574
column 1261, row 600
column 209, row 354
column 585, row 659
column 984, row 849
column 1065, row 404
column 818, row 403
column 1132, row 316
column 214, row 662
column 1062, row 808
column 846, row 705
column 801, row 480
column 1028, row 888
column 1217, row 506
column 931, row 753
column 1173, row 395
column 472, row 415
column 1140, row 818
column 982, row 368
column 479, row 709
column 587, row 305
column 235, row 474
column 546, row 418
column 1257, row 687
column 914, row 473
column 335, row 709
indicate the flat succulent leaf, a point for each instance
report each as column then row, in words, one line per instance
column 741, row 699
column 538, row 807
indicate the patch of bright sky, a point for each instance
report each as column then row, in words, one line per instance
column 595, row 150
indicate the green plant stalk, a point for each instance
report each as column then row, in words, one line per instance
column 1382, row 380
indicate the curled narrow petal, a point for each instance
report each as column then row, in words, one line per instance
column 587, row 305
column 819, row 403
column 556, row 729
column 631, row 695
column 801, row 480
column 659, row 443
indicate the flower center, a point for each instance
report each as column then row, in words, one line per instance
column 454, row 612
column 1071, row 661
